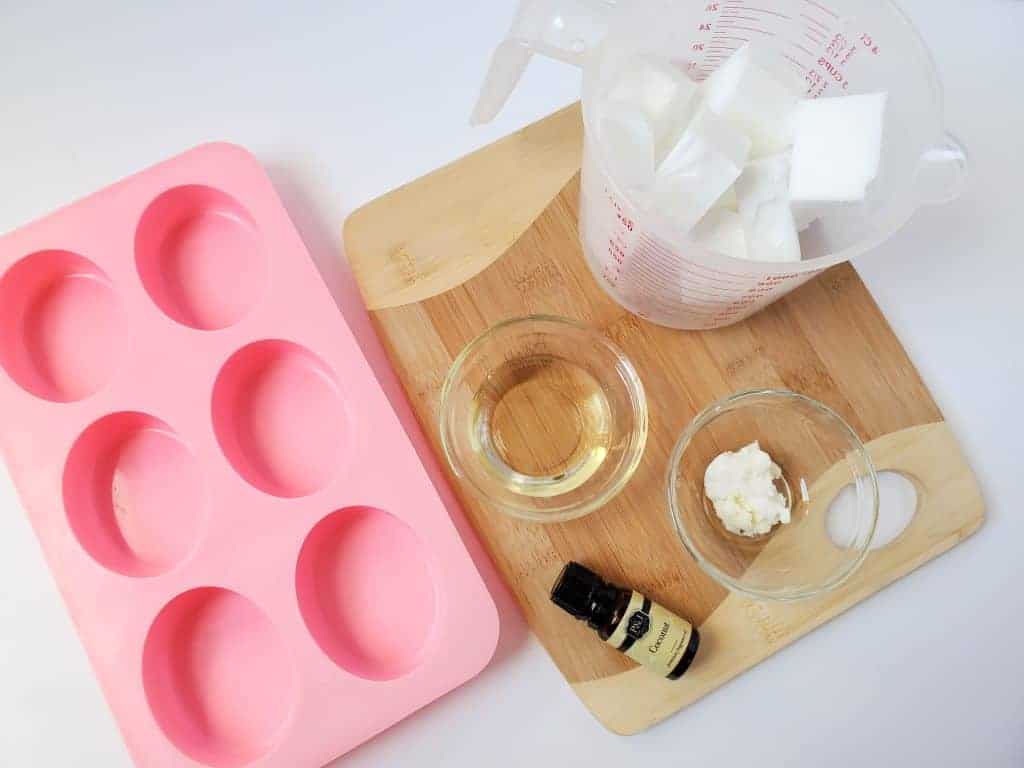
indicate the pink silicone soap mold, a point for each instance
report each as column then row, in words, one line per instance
column 256, row 561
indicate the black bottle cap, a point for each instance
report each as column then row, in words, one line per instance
column 574, row 590
column 688, row 656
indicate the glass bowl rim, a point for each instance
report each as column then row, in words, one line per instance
column 637, row 398
column 703, row 418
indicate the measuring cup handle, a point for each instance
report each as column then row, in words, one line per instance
column 559, row 29
column 942, row 172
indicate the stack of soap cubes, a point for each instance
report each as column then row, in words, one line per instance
column 741, row 163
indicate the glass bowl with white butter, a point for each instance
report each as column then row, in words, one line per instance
column 752, row 484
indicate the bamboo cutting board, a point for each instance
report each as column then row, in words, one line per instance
column 494, row 236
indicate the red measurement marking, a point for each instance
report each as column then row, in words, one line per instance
column 699, row 310
column 731, row 280
column 723, row 289
column 650, row 275
column 699, row 303
column 749, row 29
column 713, row 278
column 700, row 292
column 707, row 289
column 692, row 297
column 833, row 70
column 822, row 8
column 815, row 81
column 821, row 24
column 660, row 257
column 801, row 48
column 836, row 46
column 764, row 10
column 796, row 63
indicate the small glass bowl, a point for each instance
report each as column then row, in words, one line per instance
column 827, row 476
column 543, row 418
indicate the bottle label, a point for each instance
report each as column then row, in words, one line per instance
column 652, row 635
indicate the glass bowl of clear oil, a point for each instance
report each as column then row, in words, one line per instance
column 543, row 418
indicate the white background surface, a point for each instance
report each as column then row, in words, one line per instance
column 343, row 101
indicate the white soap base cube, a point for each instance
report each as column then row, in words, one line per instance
column 626, row 136
column 772, row 236
column 664, row 93
column 728, row 200
column 722, row 231
column 837, row 147
column 762, row 181
column 805, row 214
column 706, row 161
column 750, row 97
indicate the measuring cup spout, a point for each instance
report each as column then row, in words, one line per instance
column 560, row 29
column 507, row 65
column 942, row 172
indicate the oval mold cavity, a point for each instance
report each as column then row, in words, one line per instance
column 280, row 418
column 367, row 593
column 200, row 256
column 134, row 494
column 218, row 677
column 61, row 326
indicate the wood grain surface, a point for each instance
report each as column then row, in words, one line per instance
column 435, row 273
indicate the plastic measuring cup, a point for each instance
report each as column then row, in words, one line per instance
column 826, row 47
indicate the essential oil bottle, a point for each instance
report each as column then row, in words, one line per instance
column 628, row 621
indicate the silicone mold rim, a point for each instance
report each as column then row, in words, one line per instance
column 466, row 618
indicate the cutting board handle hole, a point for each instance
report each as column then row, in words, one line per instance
column 897, row 504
